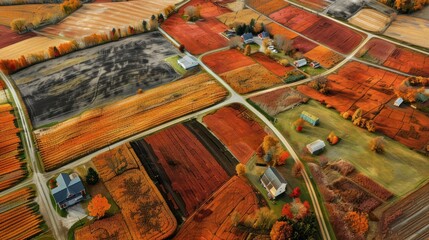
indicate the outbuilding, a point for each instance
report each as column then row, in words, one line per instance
column 398, row 102
column 316, row 147
column 273, row 182
column 248, row 38
column 300, row 63
column 187, row 62
column 310, row 118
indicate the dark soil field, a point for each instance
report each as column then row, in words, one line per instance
column 228, row 60
column 303, row 45
column 235, row 127
column 201, row 36
column 61, row 88
column 192, row 171
column 267, row 6
column 278, row 101
column 9, row 37
column 271, row 65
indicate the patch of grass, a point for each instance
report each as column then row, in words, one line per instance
column 173, row 63
column 312, row 71
column 269, row 117
column 398, row 169
column 75, row 226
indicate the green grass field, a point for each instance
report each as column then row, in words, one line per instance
column 399, row 169
column 173, row 63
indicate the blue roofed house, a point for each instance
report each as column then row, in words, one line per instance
column 248, row 38
column 69, row 190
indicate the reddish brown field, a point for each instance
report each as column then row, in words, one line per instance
column 99, row 127
column 213, row 219
column 193, row 172
column 251, row 78
column 323, row 30
column 107, row 228
column 271, row 65
column 237, row 130
column 228, row 60
column 314, row 4
column 9, row 37
column 303, row 45
column 275, row 29
column 201, row 36
column 393, row 56
column 326, row 57
column 278, row 101
column 267, row 6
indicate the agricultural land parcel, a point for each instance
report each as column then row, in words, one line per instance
column 106, row 227
column 267, row 6
column 102, row 126
column 410, row 29
column 357, row 85
column 29, row 12
column 86, row 79
column 102, row 17
column 317, row 5
column 399, row 169
column 200, row 36
column 8, row 37
column 243, row 16
column 370, row 19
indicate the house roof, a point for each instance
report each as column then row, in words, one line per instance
column 264, row 34
column 398, row 102
column 188, row 62
column 300, row 61
column 272, row 178
column 247, row 36
column 421, row 97
column 66, row 187
column 316, row 145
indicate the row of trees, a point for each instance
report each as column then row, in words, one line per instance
column 271, row 152
column 406, row 6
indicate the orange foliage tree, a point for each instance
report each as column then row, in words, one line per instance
column 241, row 169
column 281, row 231
column 357, row 221
column 98, row 206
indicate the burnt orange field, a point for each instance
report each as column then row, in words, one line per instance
column 267, row 6
column 271, row 65
column 201, row 36
column 228, row 60
column 295, row 18
column 13, row 167
column 102, row 126
column 193, row 172
column 235, row 127
column 250, row 78
column 213, row 219
column 107, row 228
column 9, row 37
column 275, row 29
column 303, row 45
column 326, row 57
column 314, row 4
column 19, row 218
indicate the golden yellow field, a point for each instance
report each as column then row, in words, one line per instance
column 326, row 57
column 30, row 12
column 370, row 19
column 410, row 29
column 243, row 16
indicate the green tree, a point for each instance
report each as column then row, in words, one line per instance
column 92, row 176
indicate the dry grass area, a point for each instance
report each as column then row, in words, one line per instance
column 250, row 78
column 370, row 19
column 29, row 12
column 34, row 45
column 326, row 57
column 278, row 101
column 267, row 6
column 99, row 127
column 107, row 228
column 243, row 16
column 410, row 29
column 102, row 17
column 213, row 220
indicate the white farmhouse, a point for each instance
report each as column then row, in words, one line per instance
column 398, row 102
column 273, row 182
column 300, row 63
column 187, row 62
column 316, row 147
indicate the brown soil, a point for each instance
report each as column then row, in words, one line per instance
column 228, row 60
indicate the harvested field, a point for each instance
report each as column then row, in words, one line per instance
column 29, row 12
column 370, row 19
column 317, row 5
column 193, row 172
column 250, row 78
column 371, row 186
column 277, row 29
column 145, row 211
column 393, row 56
column 303, row 45
column 409, row 29
column 106, row 228
column 271, row 64
column 99, row 75
column 213, row 219
column 9, row 37
column 235, row 127
column 326, row 57
column 224, row 61
column 114, row 162
column 19, row 215
column 32, row 45
column 320, row 29
column 267, row 6
column 102, row 126
column 201, row 36
column 13, row 167
column 102, row 17
column 278, row 101
column 243, row 16
column 407, row 219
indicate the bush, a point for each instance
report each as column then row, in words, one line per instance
column 92, row 176
column 343, row 167
column 293, row 76
column 18, row 25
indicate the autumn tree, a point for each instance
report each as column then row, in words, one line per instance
column 281, row 231
column 92, row 176
column 297, row 170
column 357, row 221
column 236, row 42
column 377, row 144
column 282, row 158
column 408, row 93
column 296, row 192
column 153, row 23
column 295, row 210
column 98, row 206
column 332, row 138
column 282, row 43
column 406, row 6
column 240, row 169
column 192, row 13
column 357, row 114
column 370, row 126
column 18, row 25
column 170, row 9
column 299, row 124
column 320, row 84
column 235, row 218
column 69, row 6
column 247, row 50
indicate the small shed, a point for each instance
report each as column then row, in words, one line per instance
column 300, row 63
column 310, row 118
column 315, row 65
column 273, row 182
column 247, row 38
column 187, row 62
column 264, row 35
column 398, row 102
column 422, row 97
column 316, row 147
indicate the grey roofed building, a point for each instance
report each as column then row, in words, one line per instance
column 69, row 190
column 316, row 147
column 248, row 38
column 187, row 62
column 264, row 35
column 398, row 102
column 273, row 182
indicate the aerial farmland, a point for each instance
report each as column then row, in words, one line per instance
column 214, row 119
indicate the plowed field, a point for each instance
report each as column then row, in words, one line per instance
column 9, row 37
column 228, row 60
column 29, row 12
column 243, row 16
column 410, row 29
column 275, row 28
column 317, row 5
column 213, row 219
column 278, row 101
column 267, row 6
column 102, row 126
column 271, row 65
column 235, row 127
column 326, row 57
column 110, row 228
column 370, row 19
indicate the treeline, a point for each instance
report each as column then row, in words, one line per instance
column 406, row 6
column 20, row 2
